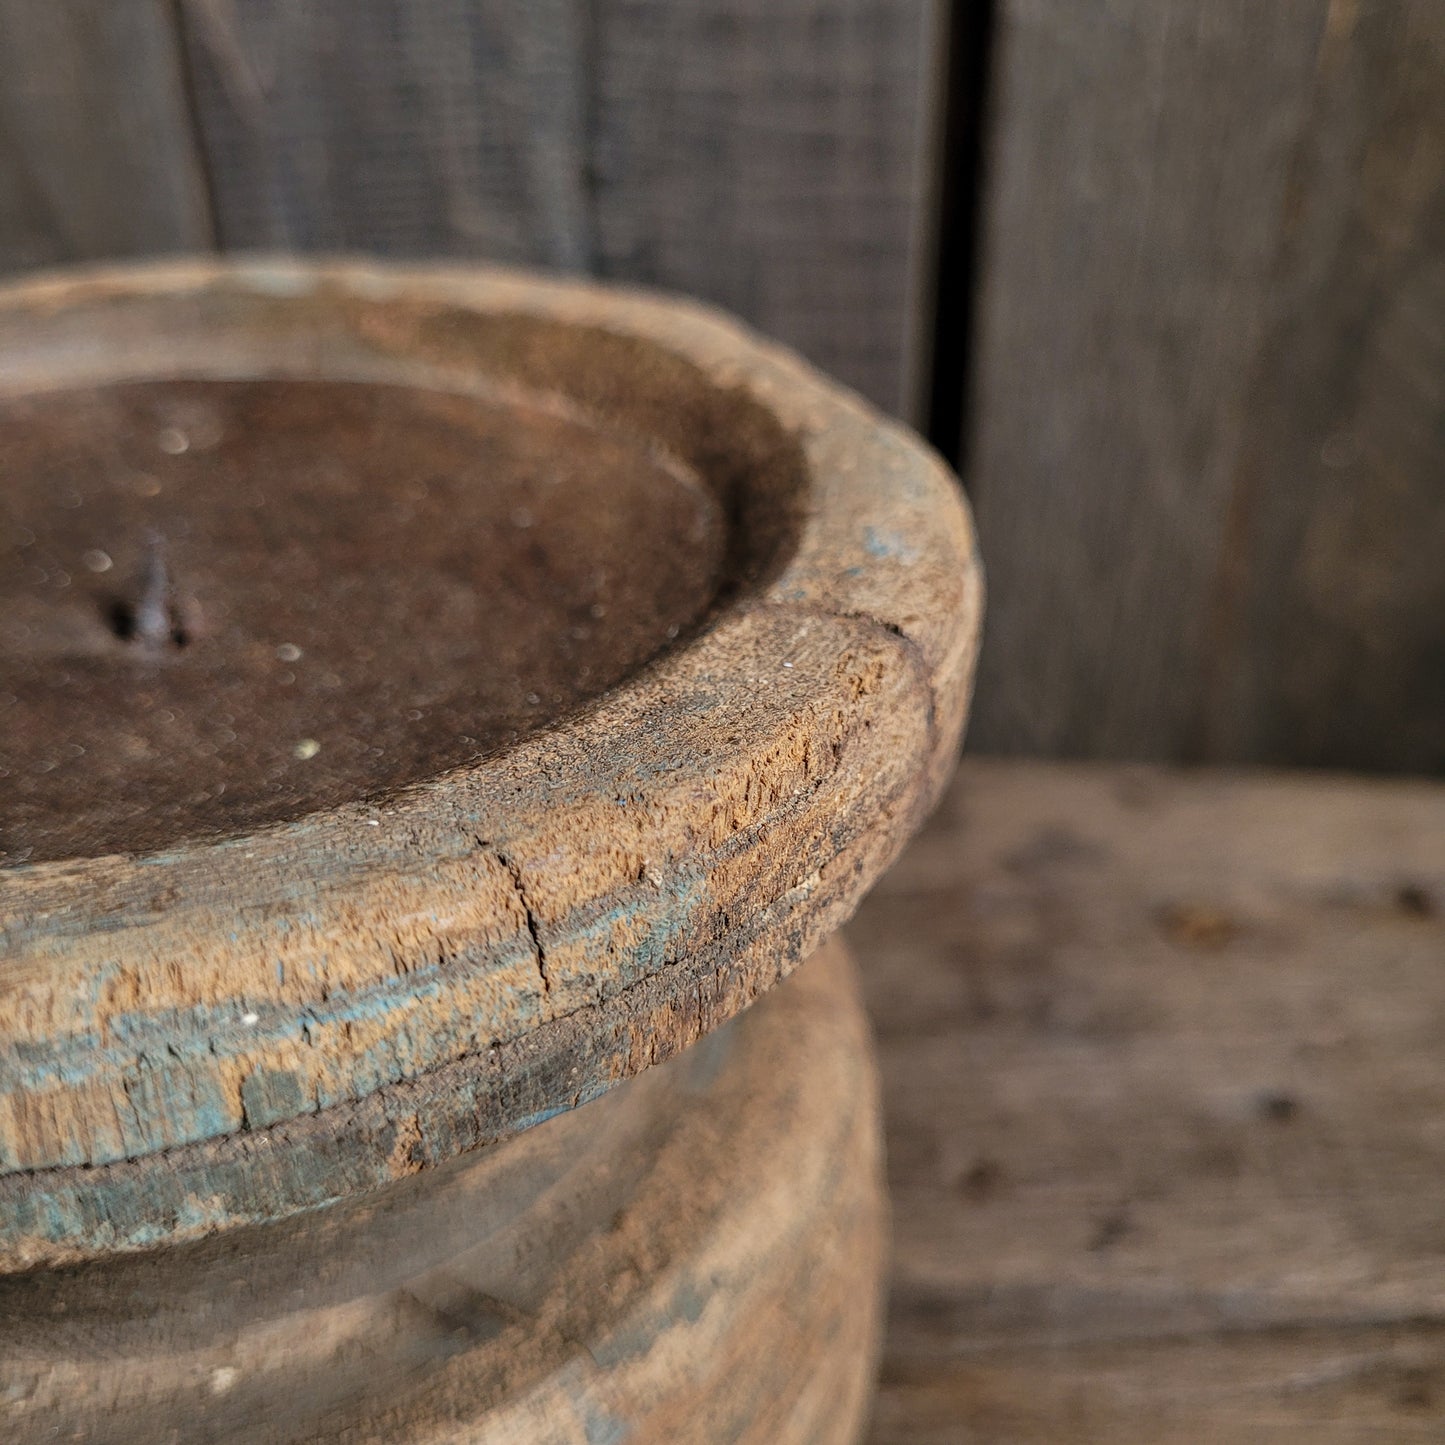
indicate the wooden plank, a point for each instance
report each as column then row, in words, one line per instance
column 1139, row 176
column 768, row 158
column 97, row 155
column 773, row 159
column 1330, row 630
column 450, row 128
column 1209, row 416
column 1307, row 1387
column 1162, row 1098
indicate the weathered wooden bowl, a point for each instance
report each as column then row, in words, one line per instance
column 282, row 1025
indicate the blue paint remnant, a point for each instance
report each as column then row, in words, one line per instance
column 605, row 1429
column 629, row 1341
column 666, row 929
column 217, row 1031
column 889, row 545
column 271, row 1095
column 180, row 1100
column 633, row 1339
column 540, row 1116
column 183, row 1045
column 688, row 1302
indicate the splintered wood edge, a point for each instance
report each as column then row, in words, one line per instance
column 506, row 940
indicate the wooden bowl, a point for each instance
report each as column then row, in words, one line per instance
column 238, row 989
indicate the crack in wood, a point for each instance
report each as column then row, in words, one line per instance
column 539, row 950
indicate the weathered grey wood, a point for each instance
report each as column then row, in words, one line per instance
column 773, row 158
column 451, row 128
column 1162, row 1101
column 1147, row 169
column 769, row 158
column 1329, row 646
column 96, row 147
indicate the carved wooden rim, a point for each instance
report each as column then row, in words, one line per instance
column 503, row 941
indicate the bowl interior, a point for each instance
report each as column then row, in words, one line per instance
column 262, row 556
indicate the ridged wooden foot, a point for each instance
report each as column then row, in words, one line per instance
column 697, row 1256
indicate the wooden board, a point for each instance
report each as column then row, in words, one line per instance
column 767, row 158
column 1163, row 1098
column 395, row 128
column 1207, row 420
column 96, row 146
column 774, row 159
column 1329, row 645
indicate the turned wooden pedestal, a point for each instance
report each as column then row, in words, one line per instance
column 464, row 693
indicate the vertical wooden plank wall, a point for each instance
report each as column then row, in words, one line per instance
column 1330, row 621
column 441, row 129
column 1208, row 403
column 771, row 158
column 97, row 152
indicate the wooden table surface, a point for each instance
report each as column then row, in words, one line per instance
column 1165, row 1099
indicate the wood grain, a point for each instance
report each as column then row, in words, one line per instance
column 1330, row 622
column 1162, row 1098
column 97, row 155
column 1137, row 178
column 1207, row 422
column 450, row 128
column 769, row 158
column 698, row 1257
column 503, row 939
column 775, row 159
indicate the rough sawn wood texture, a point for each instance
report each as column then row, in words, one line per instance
column 1162, row 1096
column 773, row 159
column 1208, row 417
column 98, row 157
